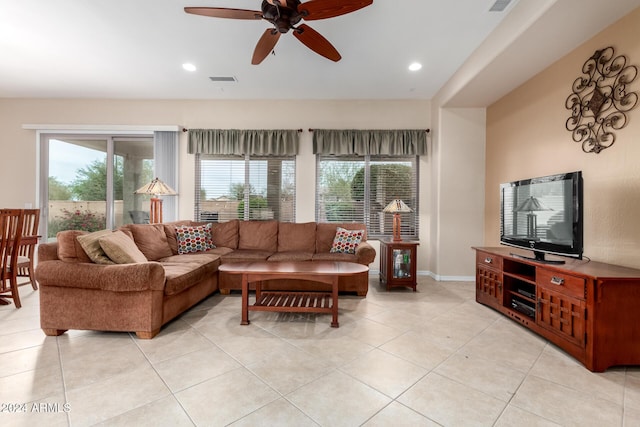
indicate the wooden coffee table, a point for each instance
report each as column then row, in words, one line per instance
column 292, row 301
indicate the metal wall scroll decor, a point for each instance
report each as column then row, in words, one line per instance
column 600, row 100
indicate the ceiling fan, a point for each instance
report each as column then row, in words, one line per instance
column 285, row 15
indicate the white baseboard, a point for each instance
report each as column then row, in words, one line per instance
column 441, row 278
column 437, row 277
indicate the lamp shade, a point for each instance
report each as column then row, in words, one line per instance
column 397, row 205
column 531, row 204
column 156, row 188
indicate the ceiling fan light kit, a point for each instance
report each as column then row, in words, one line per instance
column 285, row 15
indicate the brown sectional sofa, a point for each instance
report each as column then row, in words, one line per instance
column 76, row 293
column 281, row 241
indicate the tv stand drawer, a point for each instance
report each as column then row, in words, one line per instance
column 562, row 283
column 489, row 260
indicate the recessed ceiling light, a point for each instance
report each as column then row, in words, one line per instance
column 189, row 67
column 415, row 66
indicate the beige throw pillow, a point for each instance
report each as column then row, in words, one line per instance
column 121, row 248
column 91, row 245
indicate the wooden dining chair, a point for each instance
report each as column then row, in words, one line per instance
column 10, row 237
column 27, row 249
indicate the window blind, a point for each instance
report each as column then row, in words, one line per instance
column 245, row 187
column 357, row 189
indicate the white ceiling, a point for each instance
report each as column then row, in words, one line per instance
column 136, row 48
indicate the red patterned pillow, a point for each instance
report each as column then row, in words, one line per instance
column 346, row 241
column 194, row 238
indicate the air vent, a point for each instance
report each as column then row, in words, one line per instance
column 499, row 5
column 219, row 79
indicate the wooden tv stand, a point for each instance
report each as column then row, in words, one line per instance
column 589, row 309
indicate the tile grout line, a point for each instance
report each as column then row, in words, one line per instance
column 171, row 393
column 247, row 369
column 64, row 382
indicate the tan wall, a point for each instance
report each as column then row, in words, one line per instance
column 526, row 137
column 18, row 153
column 458, row 203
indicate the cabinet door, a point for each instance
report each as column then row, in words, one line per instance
column 401, row 258
column 488, row 285
column 562, row 314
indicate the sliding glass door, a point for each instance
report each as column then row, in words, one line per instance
column 132, row 168
column 90, row 181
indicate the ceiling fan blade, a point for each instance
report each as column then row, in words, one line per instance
column 221, row 12
column 322, row 9
column 265, row 45
column 316, row 42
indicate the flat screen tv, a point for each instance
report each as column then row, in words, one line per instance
column 543, row 215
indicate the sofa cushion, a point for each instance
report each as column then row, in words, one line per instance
column 121, row 248
column 346, row 241
column 219, row 251
column 184, row 271
column 291, row 256
column 297, row 237
column 69, row 249
column 225, row 234
column 248, row 255
column 194, row 238
column 209, row 255
column 91, row 244
column 335, row 256
column 151, row 240
column 258, row 235
column 213, row 253
column 326, row 232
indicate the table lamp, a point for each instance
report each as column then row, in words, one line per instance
column 156, row 188
column 396, row 206
column 531, row 205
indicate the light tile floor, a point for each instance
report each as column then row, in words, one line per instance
column 434, row 357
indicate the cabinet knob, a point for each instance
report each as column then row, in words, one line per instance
column 555, row 280
column 488, row 260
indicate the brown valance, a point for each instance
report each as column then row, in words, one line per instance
column 403, row 142
column 270, row 142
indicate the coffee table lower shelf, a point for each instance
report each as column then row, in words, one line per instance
column 294, row 302
column 301, row 301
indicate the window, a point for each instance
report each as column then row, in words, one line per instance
column 90, row 180
column 245, row 187
column 357, row 189
column 87, row 180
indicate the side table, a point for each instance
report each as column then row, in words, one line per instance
column 398, row 263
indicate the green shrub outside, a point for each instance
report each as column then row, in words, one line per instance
column 255, row 202
column 77, row 220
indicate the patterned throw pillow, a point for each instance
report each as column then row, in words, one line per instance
column 194, row 238
column 346, row 241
